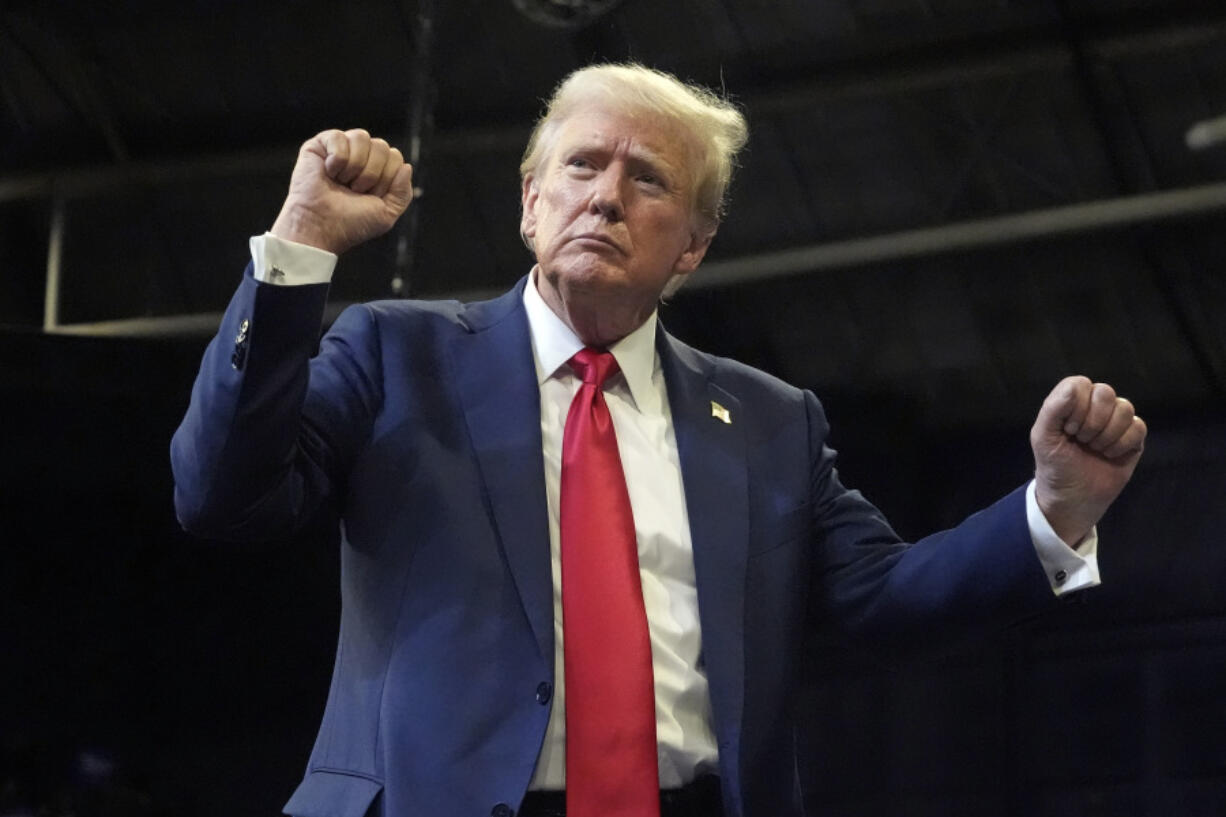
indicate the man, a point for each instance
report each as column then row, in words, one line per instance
column 471, row 505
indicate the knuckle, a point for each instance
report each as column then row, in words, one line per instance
column 1076, row 382
column 1073, row 389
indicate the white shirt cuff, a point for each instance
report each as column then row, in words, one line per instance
column 1067, row 568
column 288, row 263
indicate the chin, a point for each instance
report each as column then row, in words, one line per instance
column 584, row 276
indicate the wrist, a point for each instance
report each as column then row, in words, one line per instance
column 293, row 224
column 1071, row 520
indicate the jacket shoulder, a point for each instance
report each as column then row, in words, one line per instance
column 442, row 315
column 741, row 379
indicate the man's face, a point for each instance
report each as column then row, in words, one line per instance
column 610, row 218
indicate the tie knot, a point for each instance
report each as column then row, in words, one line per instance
column 593, row 366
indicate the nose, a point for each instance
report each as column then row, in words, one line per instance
column 607, row 196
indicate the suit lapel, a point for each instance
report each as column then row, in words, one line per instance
column 712, row 454
column 497, row 387
column 501, row 402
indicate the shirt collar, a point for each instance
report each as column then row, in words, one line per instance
column 554, row 343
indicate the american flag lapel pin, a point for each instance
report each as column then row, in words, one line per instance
column 720, row 413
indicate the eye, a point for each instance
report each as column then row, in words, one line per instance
column 578, row 162
column 651, row 180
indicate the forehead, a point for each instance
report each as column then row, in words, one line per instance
column 643, row 135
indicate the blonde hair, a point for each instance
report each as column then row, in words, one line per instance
column 717, row 127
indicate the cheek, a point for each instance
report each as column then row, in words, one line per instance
column 561, row 202
column 675, row 234
column 556, row 213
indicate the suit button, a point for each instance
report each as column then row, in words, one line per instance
column 544, row 691
column 501, row 810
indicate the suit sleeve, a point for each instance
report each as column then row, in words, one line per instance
column 272, row 428
column 961, row 583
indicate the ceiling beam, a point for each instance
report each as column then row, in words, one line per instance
column 1053, row 222
column 82, row 182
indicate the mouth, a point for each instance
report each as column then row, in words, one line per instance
column 598, row 239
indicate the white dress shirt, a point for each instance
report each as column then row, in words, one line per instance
column 638, row 403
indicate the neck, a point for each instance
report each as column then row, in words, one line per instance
column 599, row 319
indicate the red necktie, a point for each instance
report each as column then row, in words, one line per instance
column 611, row 765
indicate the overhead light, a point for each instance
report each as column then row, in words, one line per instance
column 1206, row 134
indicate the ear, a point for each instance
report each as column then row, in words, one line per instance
column 529, row 194
column 692, row 255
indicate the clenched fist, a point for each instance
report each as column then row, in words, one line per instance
column 346, row 188
column 1086, row 443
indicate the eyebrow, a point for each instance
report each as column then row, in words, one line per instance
column 639, row 156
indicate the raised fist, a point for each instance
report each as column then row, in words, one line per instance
column 346, row 188
column 1086, row 443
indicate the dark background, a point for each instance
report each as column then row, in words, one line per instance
column 144, row 672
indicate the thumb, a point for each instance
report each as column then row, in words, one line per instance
column 1065, row 408
column 400, row 192
column 334, row 148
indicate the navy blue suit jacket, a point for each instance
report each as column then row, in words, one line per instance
column 420, row 423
